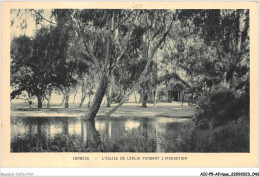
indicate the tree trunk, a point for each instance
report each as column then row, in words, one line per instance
column 63, row 99
column 182, row 101
column 49, row 100
column 30, row 103
column 39, row 101
column 135, row 97
column 155, row 95
column 110, row 90
column 108, row 101
column 48, row 103
column 97, row 98
column 104, row 101
column 141, row 97
column 145, row 96
column 89, row 100
column 74, row 97
column 82, row 100
column 67, row 97
column 169, row 96
column 192, row 94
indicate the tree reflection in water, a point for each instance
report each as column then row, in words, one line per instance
column 93, row 137
column 103, row 135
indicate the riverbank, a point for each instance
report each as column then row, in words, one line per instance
column 160, row 110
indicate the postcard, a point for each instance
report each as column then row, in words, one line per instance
column 129, row 84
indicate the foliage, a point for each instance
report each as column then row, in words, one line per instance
column 225, row 50
column 219, row 107
column 40, row 64
column 204, row 47
column 113, row 39
column 231, row 137
column 162, row 95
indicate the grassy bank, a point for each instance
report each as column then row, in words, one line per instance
column 165, row 110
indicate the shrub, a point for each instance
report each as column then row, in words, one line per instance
column 162, row 95
column 231, row 137
column 217, row 108
column 132, row 142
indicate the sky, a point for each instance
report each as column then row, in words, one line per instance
column 24, row 22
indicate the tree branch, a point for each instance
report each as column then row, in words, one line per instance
column 92, row 56
column 89, row 52
column 126, row 97
column 42, row 17
column 120, row 23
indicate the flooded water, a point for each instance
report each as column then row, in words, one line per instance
column 31, row 134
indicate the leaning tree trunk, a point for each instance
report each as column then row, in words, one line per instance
column 98, row 98
column 67, row 97
column 39, row 99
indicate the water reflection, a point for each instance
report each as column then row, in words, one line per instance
column 103, row 135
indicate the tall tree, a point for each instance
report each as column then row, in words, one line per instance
column 43, row 65
column 225, row 32
column 112, row 31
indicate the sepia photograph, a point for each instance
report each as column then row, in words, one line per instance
column 90, row 84
column 119, row 80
